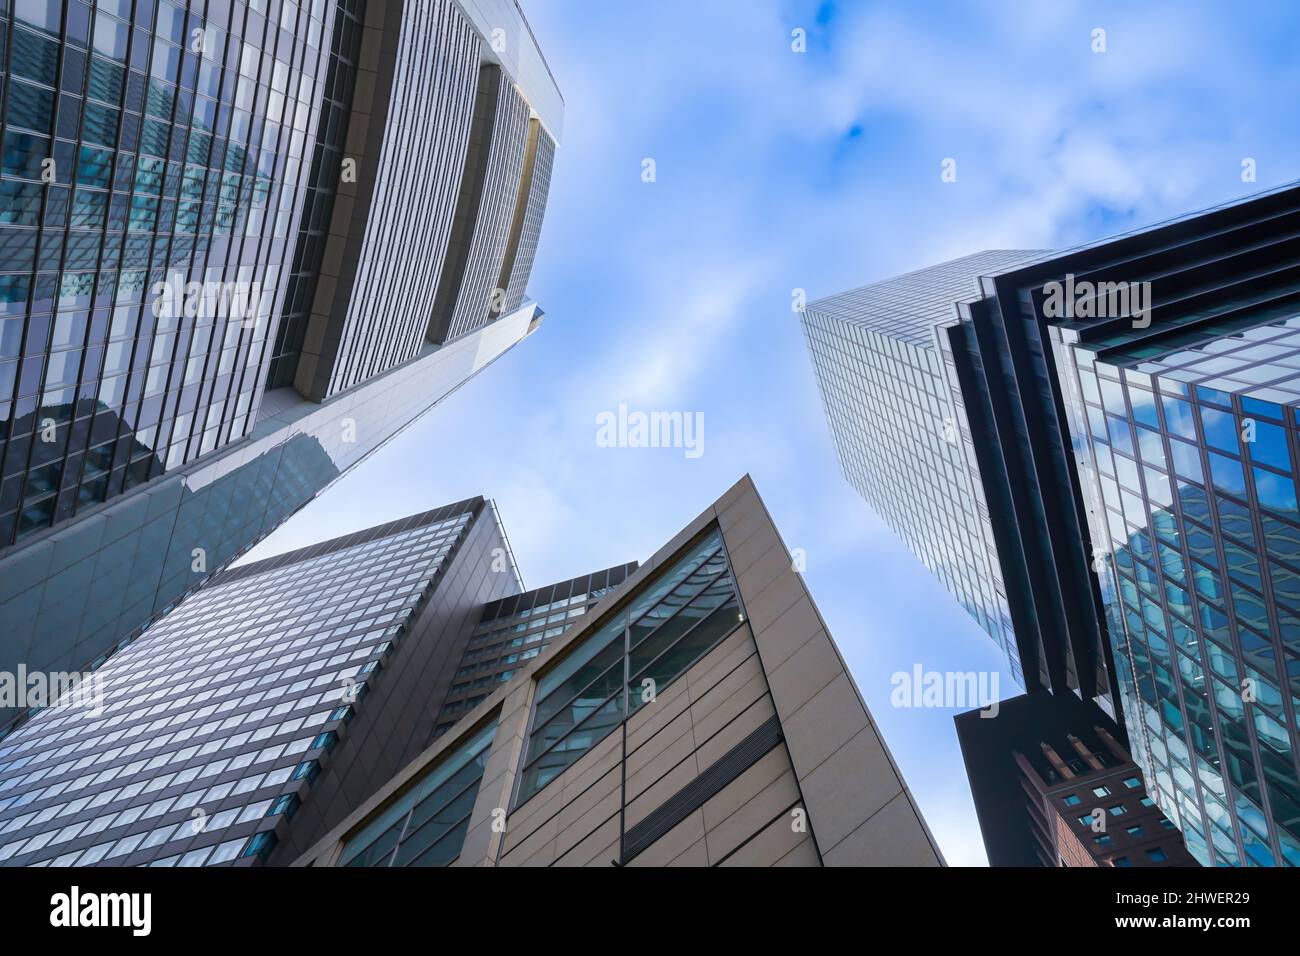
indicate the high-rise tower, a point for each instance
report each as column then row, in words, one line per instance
column 210, row 730
column 242, row 245
column 1126, row 413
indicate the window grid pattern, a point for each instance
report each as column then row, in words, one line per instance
column 907, row 308
column 417, row 181
column 426, row 826
column 1187, row 461
column 218, row 713
column 539, row 185
column 676, row 619
column 318, row 197
column 515, row 630
column 487, row 250
column 900, row 432
column 177, row 146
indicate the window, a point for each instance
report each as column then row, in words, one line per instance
column 1102, row 791
column 426, row 826
column 1156, row 855
column 1134, row 831
column 1117, row 810
column 1122, row 861
column 1073, row 800
column 1132, row 782
column 674, row 620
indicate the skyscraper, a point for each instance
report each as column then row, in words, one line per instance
column 892, row 405
column 240, row 249
column 692, row 710
column 306, row 674
column 1130, row 409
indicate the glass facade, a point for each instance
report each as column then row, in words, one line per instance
column 495, row 189
column 899, row 427
column 426, row 826
column 369, row 309
column 514, row 630
column 318, row 200
column 207, row 314
column 117, row 575
column 527, row 228
column 142, row 144
column 672, row 621
column 1137, row 453
column 1187, row 454
column 214, row 721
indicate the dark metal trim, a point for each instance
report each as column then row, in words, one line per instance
column 703, row 788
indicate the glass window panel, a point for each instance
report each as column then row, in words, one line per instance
column 1220, row 430
column 694, row 645
column 1178, row 417
column 1227, row 474
column 1269, row 446
column 30, row 106
column 678, row 616
column 448, row 788
column 1276, row 492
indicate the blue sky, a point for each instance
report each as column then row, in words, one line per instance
column 776, row 171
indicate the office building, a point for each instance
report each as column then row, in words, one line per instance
column 516, row 629
column 304, row 696
column 242, row 245
column 1129, row 408
column 908, row 403
column 306, row 673
column 699, row 715
column 1054, row 787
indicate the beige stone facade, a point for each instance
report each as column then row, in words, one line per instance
column 762, row 753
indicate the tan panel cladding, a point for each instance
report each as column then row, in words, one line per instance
column 408, row 134
column 468, row 298
column 759, row 751
column 673, row 748
column 858, row 807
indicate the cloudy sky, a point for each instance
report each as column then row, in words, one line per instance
column 776, row 171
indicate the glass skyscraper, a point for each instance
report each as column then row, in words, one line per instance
column 242, row 244
column 219, row 721
column 1133, row 406
column 894, row 408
